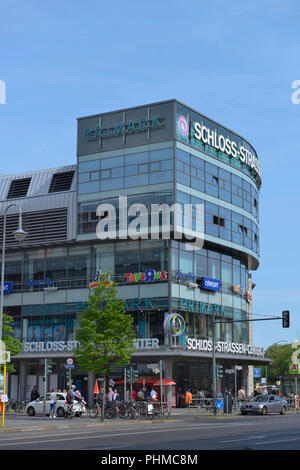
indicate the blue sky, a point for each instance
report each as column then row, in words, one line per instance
column 233, row 61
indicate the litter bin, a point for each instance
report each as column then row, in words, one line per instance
column 227, row 403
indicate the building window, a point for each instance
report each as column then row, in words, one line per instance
column 219, row 221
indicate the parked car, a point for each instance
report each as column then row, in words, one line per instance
column 36, row 407
column 263, row 404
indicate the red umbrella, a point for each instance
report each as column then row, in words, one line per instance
column 164, row 382
column 140, row 381
column 119, row 382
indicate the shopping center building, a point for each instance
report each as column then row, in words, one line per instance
column 153, row 154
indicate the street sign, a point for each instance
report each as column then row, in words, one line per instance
column 219, row 404
column 263, row 380
column 256, row 373
column 69, row 361
column 69, row 366
column 229, row 371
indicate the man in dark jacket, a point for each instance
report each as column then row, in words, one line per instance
column 34, row 393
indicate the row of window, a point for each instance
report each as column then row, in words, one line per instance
column 128, row 171
column 217, row 182
column 222, row 223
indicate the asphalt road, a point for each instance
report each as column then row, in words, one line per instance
column 271, row 432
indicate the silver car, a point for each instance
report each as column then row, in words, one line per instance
column 263, row 404
column 36, row 407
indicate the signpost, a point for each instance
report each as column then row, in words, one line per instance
column 4, row 358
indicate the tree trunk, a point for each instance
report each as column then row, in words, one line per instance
column 103, row 400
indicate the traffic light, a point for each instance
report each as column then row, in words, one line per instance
column 285, row 319
column 49, row 368
column 219, row 371
column 135, row 375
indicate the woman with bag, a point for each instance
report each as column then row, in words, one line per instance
column 52, row 404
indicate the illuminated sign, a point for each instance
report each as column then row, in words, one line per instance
column 150, row 275
column 174, row 324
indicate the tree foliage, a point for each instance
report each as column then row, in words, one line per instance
column 105, row 331
column 282, row 356
column 11, row 344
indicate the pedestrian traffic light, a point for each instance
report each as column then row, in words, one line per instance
column 219, row 371
column 285, row 319
column 49, row 368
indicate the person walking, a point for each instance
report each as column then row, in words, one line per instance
column 52, row 404
column 110, row 394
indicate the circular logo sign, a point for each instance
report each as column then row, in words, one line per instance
column 174, row 324
column 69, row 361
column 183, row 126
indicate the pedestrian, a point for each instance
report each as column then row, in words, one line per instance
column 52, row 404
column 148, row 395
column 201, row 397
column 241, row 394
column 140, row 395
column 116, row 396
column 34, row 393
column 264, row 391
column 219, row 394
column 188, row 398
column 153, row 395
column 110, row 394
column 134, row 395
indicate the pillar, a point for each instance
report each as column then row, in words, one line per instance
column 22, row 379
column 91, row 383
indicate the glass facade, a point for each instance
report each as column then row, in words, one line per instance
column 126, row 171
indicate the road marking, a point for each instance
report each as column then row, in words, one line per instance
column 125, row 433
column 244, row 439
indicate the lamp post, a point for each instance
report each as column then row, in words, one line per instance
column 19, row 236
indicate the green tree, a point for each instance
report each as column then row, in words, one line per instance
column 105, row 332
column 281, row 354
column 11, row 344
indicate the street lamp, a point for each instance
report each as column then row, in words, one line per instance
column 19, row 235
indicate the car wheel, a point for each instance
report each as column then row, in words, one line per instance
column 244, row 412
column 283, row 410
column 31, row 411
column 60, row 412
column 264, row 411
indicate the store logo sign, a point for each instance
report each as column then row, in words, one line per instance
column 224, row 144
column 122, row 128
column 150, row 275
column 186, row 277
column 100, row 278
column 41, row 283
column 210, row 284
column 183, row 125
column 8, row 286
column 174, row 324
